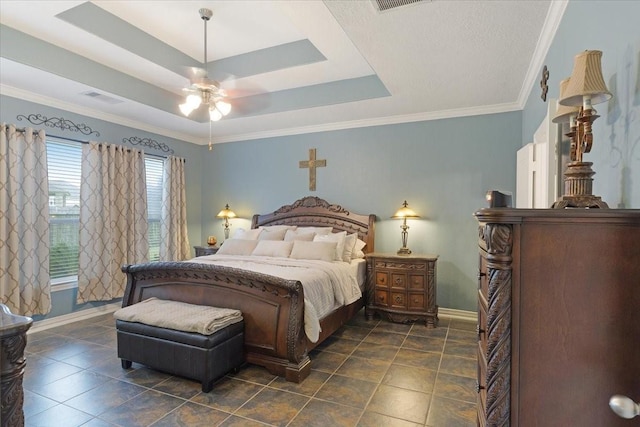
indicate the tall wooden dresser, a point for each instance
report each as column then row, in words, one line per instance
column 559, row 316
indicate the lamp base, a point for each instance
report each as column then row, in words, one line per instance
column 578, row 184
column 404, row 251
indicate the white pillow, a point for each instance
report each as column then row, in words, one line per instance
column 268, row 234
column 291, row 235
column 324, row 251
column 252, row 234
column 349, row 245
column 237, row 247
column 274, row 248
column 357, row 250
column 334, row 237
column 317, row 230
column 278, row 227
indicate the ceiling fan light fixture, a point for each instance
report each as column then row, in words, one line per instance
column 214, row 114
column 191, row 103
column 224, row 107
column 204, row 90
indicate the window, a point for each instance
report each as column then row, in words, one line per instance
column 63, row 160
column 154, row 168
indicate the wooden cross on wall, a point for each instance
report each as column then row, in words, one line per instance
column 312, row 164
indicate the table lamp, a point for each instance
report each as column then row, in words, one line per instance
column 405, row 212
column 226, row 213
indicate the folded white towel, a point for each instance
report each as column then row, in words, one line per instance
column 180, row 316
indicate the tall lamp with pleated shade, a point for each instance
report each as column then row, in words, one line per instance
column 584, row 88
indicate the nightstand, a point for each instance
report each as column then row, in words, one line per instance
column 206, row 250
column 402, row 287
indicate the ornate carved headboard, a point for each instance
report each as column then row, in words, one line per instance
column 313, row 211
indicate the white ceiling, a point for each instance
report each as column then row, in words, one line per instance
column 441, row 58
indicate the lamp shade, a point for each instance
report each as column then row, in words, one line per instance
column 226, row 213
column 405, row 212
column 564, row 112
column 586, row 80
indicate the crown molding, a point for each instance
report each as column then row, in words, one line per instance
column 379, row 121
column 96, row 114
column 548, row 33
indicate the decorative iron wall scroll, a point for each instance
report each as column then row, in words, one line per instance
column 148, row 142
column 59, row 123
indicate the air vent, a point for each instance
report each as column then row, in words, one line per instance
column 102, row 97
column 384, row 5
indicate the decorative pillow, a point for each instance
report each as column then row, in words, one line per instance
column 334, row 237
column 278, row 227
column 317, row 230
column 274, row 248
column 357, row 250
column 325, row 251
column 349, row 245
column 267, row 234
column 252, row 234
column 296, row 235
column 237, row 247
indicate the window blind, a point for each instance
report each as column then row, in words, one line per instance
column 63, row 162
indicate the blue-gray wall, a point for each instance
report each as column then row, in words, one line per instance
column 443, row 168
column 614, row 28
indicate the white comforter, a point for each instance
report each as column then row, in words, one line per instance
column 326, row 284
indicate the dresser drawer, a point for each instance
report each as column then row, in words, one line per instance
column 483, row 279
column 416, row 301
column 482, row 326
column 482, row 383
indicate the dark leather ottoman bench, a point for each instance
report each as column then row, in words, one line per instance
column 188, row 354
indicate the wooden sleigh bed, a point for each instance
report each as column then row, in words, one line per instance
column 273, row 308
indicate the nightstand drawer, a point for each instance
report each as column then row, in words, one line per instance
column 382, row 278
column 398, row 300
column 417, row 281
column 398, row 281
column 416, row 301
column 382, row 298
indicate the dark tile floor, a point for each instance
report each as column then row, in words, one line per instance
column 370, row 373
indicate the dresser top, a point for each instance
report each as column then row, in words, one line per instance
column 516, row 216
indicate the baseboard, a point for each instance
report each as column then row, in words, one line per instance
column 452, row 313
column 45, row 324
column 42, row 325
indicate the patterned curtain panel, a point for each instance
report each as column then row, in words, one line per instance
column 25, row 285
column 113, row 219
column 174, row 242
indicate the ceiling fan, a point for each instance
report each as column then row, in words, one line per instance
column 203, row 90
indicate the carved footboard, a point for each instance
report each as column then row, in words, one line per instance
column 273, row 308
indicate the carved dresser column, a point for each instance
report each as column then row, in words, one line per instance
column 494, row 324
column 13, row 339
